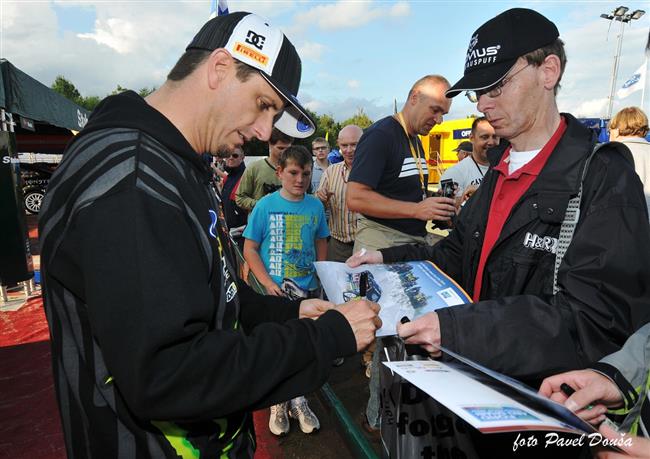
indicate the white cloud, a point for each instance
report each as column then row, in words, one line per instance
column 116, row 33
column 346, row 14
column 342, row 109
column 586, row 83
column 591, row 108
column 311, row 51
column 128, row 45
column 353, row 84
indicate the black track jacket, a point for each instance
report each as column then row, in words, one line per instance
column 520, row 327
column 158, row 350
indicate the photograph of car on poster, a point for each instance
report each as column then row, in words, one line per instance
column 401, row 289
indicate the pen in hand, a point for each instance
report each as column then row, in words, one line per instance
column 363, row 284
column 569, row 391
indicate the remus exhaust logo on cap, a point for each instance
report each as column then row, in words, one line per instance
column 482, row 55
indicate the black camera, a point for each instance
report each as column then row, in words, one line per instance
column 447, row 188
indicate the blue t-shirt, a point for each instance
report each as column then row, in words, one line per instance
column 287, row 232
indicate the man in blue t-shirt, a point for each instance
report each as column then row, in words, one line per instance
column 389, row 177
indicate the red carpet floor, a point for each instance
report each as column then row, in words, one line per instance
column 29, row 417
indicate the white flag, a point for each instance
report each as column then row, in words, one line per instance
column 635, row 83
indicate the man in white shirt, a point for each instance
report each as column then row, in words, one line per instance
column 320, row 148
column 468, row 173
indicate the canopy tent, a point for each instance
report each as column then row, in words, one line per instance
column 22, row 95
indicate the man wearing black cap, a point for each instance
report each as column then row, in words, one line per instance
column 463, row 150
column 158, row 350
column 528, row 320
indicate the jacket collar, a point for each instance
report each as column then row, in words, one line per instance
column 562, row 172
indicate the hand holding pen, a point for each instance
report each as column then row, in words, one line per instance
column 586, row 392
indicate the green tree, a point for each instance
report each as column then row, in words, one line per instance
column 66, row 89
column 90, row 102
column 327, row 127
column 144, row 92
column 360, row 119
column 118, row 90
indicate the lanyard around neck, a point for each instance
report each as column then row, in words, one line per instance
column 477, row 166
column 415, row 152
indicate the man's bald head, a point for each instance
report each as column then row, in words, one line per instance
column 348, row 139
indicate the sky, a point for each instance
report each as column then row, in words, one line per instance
column 355, row 54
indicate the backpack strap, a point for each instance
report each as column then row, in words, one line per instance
column 572, row 214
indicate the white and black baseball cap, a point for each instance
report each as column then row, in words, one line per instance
column 251, row 40
column 495, row 47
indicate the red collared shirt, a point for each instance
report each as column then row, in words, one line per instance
column 507, row 192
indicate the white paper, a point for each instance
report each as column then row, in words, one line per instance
column 401, row 289
column 481, row 406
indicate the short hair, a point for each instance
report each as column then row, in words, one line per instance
column 319, row 140
column 192, row 58
column 630, row 122
column 480, row 119
column 296, row 154
column 537, row 57
column 427, row 79
column 279, row 136
column 187, row 63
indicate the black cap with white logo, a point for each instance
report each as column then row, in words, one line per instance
column 251, row 40
column 496, row 45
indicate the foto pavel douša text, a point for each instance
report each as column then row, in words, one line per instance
column 554, row 439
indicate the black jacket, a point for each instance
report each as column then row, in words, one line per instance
column 519, row 326
column 235, row 215
column 158, row 350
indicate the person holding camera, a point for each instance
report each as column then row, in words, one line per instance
column 387, row 186
column 542, row 304
column 468, row 174
column 260, row 178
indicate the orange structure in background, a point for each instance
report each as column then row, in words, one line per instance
column 440, row 143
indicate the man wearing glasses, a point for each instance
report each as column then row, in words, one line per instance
column 503, row 250
column 235, row 216
column 320, row 149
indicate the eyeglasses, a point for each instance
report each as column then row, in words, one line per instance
column 319, row 148
column 494, row 91
column 234, row 155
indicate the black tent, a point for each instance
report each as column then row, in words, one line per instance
column 50, row 116
column 22, row 95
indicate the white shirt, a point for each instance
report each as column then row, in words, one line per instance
column 466, row 172
column 519, row 159
column 640, row 149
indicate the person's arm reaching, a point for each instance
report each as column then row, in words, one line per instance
column 363, row 199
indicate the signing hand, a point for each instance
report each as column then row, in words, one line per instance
column 313, row 308
column 425, row 331
column 364, row 320
column 364, row 256
column 591, row 388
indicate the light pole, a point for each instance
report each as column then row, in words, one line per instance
column 619, row 14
